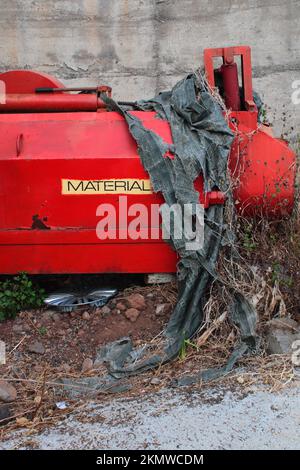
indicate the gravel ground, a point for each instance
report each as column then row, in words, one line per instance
column 172, row 419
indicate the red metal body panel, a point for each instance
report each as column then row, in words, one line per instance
column 263, row 171
column 43, row 230
column 81, row 146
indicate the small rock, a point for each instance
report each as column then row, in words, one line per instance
column 105, row 310
column 8, row 393
column 136, row 301
column 121, row 306
column 116, row 311
column 281, row 334
column 5, row 412
column 18, row 329
column 86, row 316
column 80, row 333
column 87, row 364
column 275, row 408
column 160, row 310
column 155, row 381
column 132, row 314
column 150, row 295
column 37, row 400
column 65, row 367
column 61, row 332
column 56, row 317
column 61, row 405
column 22, row 421
column 284, row 324
column 36, row 347
column 27, row 328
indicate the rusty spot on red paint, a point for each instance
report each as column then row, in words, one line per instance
column 38, row 223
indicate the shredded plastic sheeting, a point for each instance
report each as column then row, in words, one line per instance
column 201, row 145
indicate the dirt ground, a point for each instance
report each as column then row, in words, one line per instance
column 68, row 338
column 45, row 345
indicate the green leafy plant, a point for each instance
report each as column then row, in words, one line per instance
column 17, row 294
column 263, row 115
column 276, row 272
column 278, row 275
column 248, row 239
column 183, row 350
column 42, row 330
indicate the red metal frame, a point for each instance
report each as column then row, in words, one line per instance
column 228, row 54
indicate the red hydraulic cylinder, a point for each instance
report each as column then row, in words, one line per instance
column 231, row 86
column 60, row 102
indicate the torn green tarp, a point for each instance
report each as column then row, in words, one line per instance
column 201, row 145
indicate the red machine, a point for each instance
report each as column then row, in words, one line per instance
column 62, row 154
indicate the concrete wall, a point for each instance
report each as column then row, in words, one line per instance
column 142, row 46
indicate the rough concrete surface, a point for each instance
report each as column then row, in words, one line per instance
column 214, row 419
column 143, row 46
